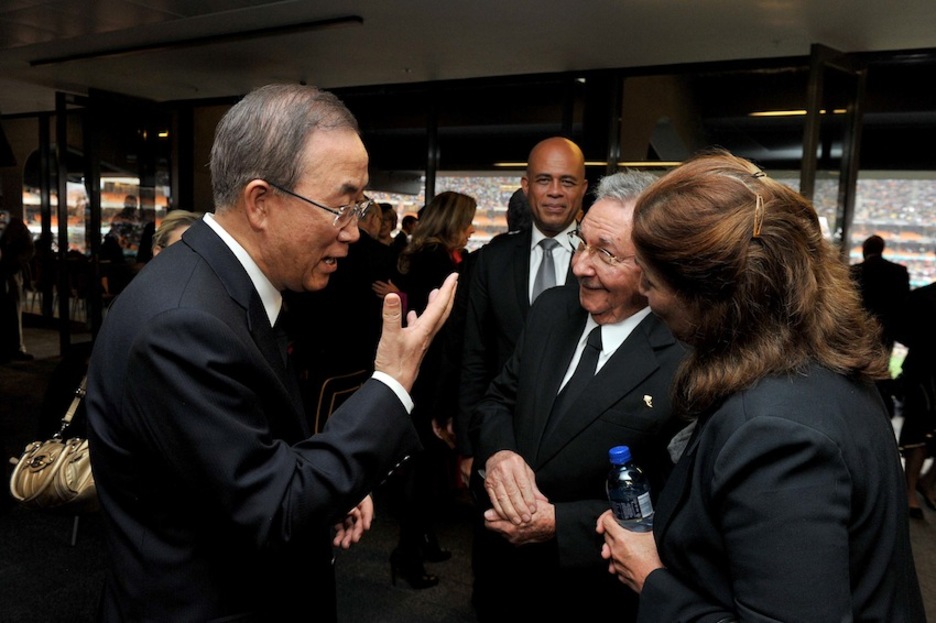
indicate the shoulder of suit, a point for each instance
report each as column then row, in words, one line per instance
column 659, row 334
column 558, row 301
column 507, row 239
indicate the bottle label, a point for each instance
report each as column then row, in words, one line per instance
column 634, row 508
column 646, row 506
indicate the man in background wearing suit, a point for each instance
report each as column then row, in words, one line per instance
column 218, row 500
column 591, row 370
column 884, row 287
column 504, row 279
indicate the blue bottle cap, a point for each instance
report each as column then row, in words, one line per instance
column 619, row 455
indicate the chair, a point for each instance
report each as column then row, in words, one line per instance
column 335, row 390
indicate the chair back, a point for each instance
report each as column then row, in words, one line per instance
column 335, row 390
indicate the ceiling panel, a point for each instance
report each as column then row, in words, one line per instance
column 412, row 41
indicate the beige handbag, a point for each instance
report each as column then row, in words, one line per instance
column 56, row 474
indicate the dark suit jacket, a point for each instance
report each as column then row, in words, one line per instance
column 218, row 503
column 498, row 302
column 570, row 457
column 789, row 504
column 884, row 287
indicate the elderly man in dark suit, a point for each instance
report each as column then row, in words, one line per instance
column 218, row 500
column 591, row 370
column 512, row 270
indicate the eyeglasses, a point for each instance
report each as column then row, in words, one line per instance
column 579, row 244
column 343, row 214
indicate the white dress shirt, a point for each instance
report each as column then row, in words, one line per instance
column 612, row 336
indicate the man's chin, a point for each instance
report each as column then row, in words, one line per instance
column 316, row 281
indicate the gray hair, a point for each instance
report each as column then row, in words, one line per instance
column 264, row 135
column 624, row 186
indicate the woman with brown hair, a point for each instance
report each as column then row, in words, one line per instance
column 434, row 253
column 786, row 503
column 439, row 240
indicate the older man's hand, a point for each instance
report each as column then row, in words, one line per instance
column 401, row 350
column 540, row 528
column 511, row 485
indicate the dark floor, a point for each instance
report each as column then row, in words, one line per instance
column 44, row 578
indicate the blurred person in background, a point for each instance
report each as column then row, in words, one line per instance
column 407, row 226
column 884, row 286
column 388, row 223
column 918, row 382
column 172, row 227
column 435, row 251
column 16, row 251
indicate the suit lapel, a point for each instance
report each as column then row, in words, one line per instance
column 627, row 368
column 231, row 273
column 570, row 277
column 520, row 267
column 552, row 368
column 677, row 486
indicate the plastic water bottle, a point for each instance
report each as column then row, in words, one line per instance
column 629, row 492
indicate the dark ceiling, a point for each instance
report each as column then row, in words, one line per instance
column 170, row 50
column 185, row 49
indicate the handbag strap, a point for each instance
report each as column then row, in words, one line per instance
column 79, row 394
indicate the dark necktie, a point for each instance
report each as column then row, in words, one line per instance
column 282, row 337
column 546, row 273
column 584, row 372
column 281, row 332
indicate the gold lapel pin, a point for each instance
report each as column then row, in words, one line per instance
column 648, row 400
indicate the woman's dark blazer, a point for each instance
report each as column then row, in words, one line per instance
column 789, row 504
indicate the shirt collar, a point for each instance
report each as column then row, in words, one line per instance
column 613, row 335
column 271, row 298
column 562, row 238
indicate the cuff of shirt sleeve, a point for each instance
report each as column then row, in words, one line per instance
column 393, row 384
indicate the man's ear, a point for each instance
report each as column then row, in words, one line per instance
column 525, row 186
column 258, row 196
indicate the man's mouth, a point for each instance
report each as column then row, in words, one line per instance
column 330, row 260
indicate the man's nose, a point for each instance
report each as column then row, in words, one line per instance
column 350, row 232
column 582, row 265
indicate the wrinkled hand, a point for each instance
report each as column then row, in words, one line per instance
column 540, row 528
column 511, row 485
column 632, row 555
column 355, row 524
column 383, row 288
column 400, row 350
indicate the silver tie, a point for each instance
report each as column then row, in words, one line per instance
column 546, row 273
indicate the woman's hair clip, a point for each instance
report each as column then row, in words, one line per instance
column 757, row 174
column 758, row 215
